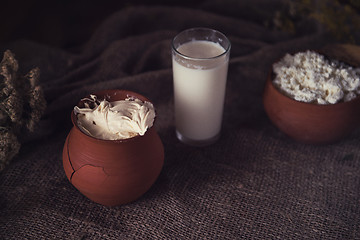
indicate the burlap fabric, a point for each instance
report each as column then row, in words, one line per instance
column 254, row 183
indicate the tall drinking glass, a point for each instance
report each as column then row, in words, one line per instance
column 200, row 58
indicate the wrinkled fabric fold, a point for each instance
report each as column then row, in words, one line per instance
column 254, row 183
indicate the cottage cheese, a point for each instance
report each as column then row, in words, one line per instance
column 310, row 77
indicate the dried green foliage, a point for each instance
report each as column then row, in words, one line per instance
column 22, row 104
column 338, row 17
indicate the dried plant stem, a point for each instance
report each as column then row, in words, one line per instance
column 22, row 104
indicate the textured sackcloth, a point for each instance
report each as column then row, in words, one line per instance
column 254, row 183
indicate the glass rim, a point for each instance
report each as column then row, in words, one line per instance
column 197, row 58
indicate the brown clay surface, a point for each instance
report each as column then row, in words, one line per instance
column 312, row 123
column 112, row 172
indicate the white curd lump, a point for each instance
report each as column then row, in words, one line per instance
column 115, row 120
column 310, row 77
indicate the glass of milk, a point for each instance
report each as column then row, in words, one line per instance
column 200, row 58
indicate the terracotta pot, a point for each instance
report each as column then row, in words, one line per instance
column 112, row 172
column 308, row 122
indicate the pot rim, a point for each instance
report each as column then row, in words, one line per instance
column 106, row 92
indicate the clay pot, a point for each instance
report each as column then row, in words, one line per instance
column 112, row 172
column 308, row 122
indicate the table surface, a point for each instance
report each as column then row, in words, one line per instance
column 253, row 183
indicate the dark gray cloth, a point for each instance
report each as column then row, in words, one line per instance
column 254, row 183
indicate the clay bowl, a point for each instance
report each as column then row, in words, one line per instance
column 112, row 172
column 308, row 122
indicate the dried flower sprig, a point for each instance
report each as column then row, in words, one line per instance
column 22, row 104
column 338, row 17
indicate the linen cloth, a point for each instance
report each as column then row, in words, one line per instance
column 253, row 183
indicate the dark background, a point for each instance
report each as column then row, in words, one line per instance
column 65, row 24
column 68, row 24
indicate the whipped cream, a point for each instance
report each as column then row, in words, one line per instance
column 115, row 120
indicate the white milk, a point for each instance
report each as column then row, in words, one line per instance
column 199, row 89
